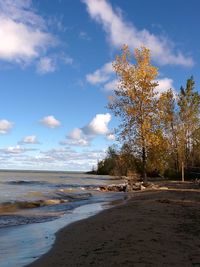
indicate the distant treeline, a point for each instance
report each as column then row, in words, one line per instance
column 159, row 130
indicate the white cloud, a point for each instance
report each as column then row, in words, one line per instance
column 23, row 33
column 83, row 136
column 121, row 32
column 63, row 158
column 103, row 75
column 30, row 139
column 111, row 137
column 5, row 126
column 50, row 121
column 75, row 134
column 15, row 150
column 53, row 159
column 164, row 85
column 50, row 64
column 100, row 75
column 111, row 85
column 76, row 142
column 21, row 10
column 70, row 159
column 46, row 65
column 77, row 138
column 98, row 125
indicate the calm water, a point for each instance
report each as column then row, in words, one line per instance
column 34, row 205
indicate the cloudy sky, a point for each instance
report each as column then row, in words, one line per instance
column 56, row 72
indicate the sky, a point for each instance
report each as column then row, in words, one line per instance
column 56, row 72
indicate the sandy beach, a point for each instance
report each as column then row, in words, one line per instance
column 154, row 228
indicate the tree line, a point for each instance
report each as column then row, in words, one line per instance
column 159, row 132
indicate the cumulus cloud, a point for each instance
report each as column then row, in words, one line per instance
column 30, row 139
column 50, row 121
column 100, row 75
column 83, row 136
column 111, row 85
column 103, row 76
column 164, row 85
column 98, row 125
column 77, row 138
column 75, row 134
column 119, row 31
column 5, row 126
column 23, row 32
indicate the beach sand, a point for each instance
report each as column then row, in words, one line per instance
column 154, row 228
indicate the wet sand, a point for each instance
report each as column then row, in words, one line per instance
column 154, row 228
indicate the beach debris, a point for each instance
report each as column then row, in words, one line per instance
column 163, row 188
column 130, row 186
column 114, row 187
column 142, row 187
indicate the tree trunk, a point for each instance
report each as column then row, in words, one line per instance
column 144, row 165
column 175, row 143
column 182, row 171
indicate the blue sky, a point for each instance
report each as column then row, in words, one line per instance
column 56, row 72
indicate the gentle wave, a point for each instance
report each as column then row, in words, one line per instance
column 59, row 185
column 25, row 182
column 60, row 198
column 15, row 213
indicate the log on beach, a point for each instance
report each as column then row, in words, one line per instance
column 154, row 228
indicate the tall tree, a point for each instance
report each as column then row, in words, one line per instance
column 169, row 124
column 189, row 117
column 135, row 102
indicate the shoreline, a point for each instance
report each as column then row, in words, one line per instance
column 153, row 228
column 23, row 244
